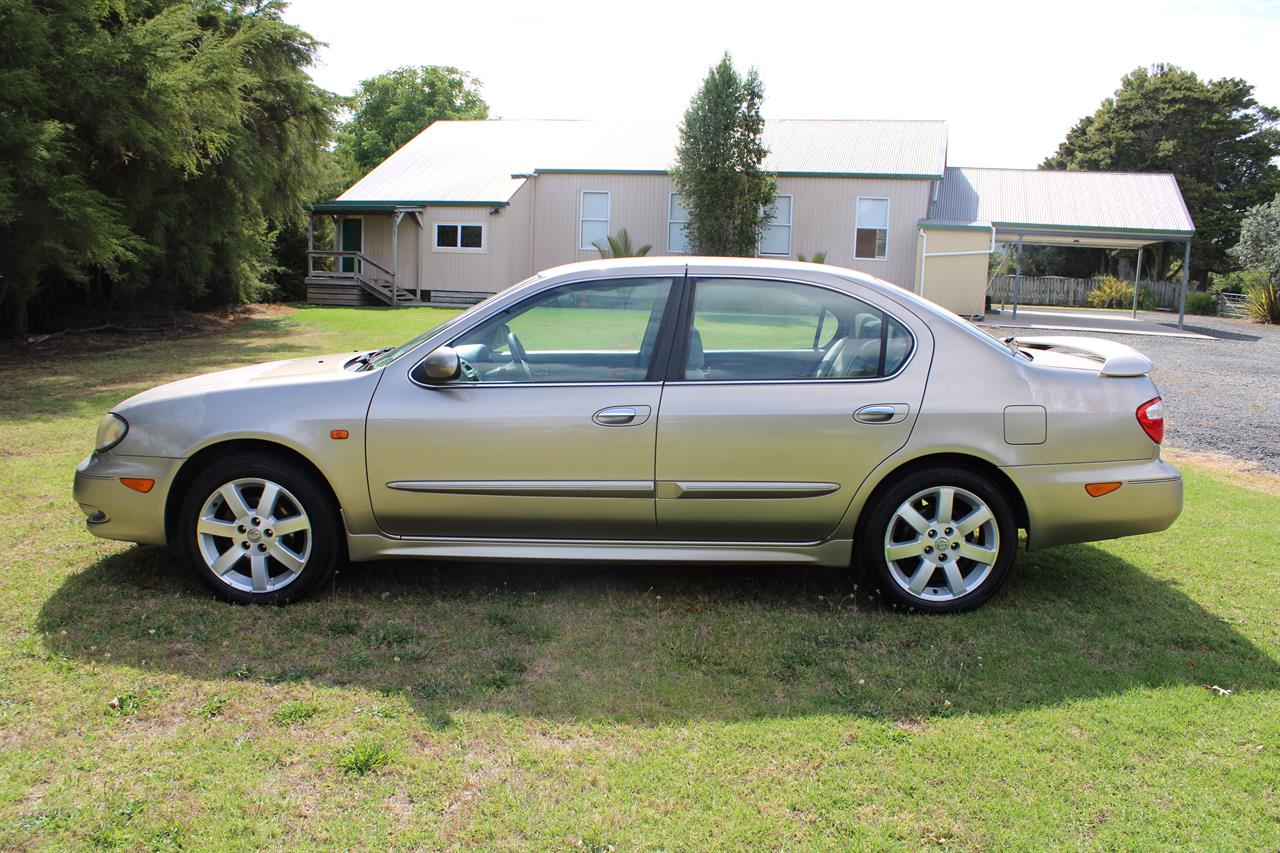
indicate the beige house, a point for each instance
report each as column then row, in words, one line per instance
column 466, row 209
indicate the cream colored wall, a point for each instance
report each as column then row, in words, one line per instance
column 823, row 217
column 506, row 259
column 637, row 203
column 958, row 283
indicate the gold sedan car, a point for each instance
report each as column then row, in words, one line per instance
column 693, row 410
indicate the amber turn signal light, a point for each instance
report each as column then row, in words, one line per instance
column 138, row 484
column 1097, row 490
column 339, row 434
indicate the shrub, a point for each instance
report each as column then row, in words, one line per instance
column 1263, row 305
column 1199, row 302
column 1110, row 292
column 1239, row 281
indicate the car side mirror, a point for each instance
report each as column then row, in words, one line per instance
column 441, row 365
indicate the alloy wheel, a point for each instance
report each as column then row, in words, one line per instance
column 941, row 543
column 254, row 535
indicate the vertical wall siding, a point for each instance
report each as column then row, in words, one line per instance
column 507, row 256
column 959, row 282
column 823, row 216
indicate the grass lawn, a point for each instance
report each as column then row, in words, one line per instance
column 499, row 706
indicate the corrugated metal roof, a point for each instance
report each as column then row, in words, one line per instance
column 1120, row 202
column 474, row 161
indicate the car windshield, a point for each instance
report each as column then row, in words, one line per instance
column 390, row 354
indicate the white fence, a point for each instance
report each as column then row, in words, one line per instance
column 1053, row 290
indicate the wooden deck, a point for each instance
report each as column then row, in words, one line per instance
column 370, row 283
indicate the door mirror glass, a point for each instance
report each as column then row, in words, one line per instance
column 441, row 365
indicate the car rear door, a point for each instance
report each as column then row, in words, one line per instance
column 554, row 438
column 781, row 398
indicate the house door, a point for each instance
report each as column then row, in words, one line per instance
column 352, row 240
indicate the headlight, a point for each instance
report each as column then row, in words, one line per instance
column 111, row 432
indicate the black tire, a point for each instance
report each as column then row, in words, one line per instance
column 303, row 494
column 870, row 540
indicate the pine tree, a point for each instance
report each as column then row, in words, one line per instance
column 718, row 169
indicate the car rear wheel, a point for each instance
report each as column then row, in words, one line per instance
column 940, row 540
column 260, row 530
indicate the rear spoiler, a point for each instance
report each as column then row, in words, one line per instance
column 1117, row 359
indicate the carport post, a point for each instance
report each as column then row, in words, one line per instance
column 1137, row 277
column 1186, row 275
column 1017, row 280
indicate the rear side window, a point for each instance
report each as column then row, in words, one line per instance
column 750, row 330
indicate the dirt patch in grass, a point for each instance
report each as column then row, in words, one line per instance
column 130, row 333
column 1241, row 472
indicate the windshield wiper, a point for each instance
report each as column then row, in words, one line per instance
column 366, row 360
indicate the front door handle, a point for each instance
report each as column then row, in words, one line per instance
column 882, row 413
column 622, row 416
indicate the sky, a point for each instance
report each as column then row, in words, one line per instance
column 1010, row 78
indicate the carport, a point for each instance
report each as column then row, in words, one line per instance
column 1037, row 207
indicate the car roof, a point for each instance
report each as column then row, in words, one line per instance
column 698, row 265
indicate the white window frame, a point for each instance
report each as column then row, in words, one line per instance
column 608, row 220
column 791, row 208
column 888, row 217
column 461, row 250
column 671, row 197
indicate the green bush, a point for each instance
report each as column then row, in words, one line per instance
column 1199, row 302
column 1240, row 281
column 1263, row 305
column 1112, row 292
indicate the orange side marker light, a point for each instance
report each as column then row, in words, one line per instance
column 339, row 434
column 138, row 484
column 1097, row 490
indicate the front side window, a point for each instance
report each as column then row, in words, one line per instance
column 595, row 219
column 677, row 221
column 776, row 237
column 599, row 331
column 459, row 237
column 871, row 241
column 747, row 330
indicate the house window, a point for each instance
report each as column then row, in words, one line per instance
column 677, row 221
column 595, row 219
column 459, row 237
column 776, row 237
column 871, row 241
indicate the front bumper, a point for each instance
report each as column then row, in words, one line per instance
column 113, row 510
column 1060, row 511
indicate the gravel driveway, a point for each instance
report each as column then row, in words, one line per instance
column 1221, row 395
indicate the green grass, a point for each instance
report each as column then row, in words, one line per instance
column 683, row 707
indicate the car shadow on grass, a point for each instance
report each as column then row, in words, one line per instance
column 651, row 645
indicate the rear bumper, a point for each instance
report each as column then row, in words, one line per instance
column 1060, row 511
column 114, row 511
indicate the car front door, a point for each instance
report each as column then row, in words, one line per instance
column 549, row 435
column 780, row 401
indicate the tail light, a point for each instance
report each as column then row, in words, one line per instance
column 1151, row 419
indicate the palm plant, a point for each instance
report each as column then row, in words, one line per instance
column 1263, row 305
column 818, row 258
column 619, row 246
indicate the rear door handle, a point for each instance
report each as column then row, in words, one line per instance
column 882, row 413
column 622, row 416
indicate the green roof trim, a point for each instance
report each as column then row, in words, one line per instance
column 390, row 206
column 1097, row 229
column 881, row 175
column 954, row 226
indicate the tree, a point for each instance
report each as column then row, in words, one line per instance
column 1259, row 244
column 1211, row 134
column 150, row 151
column 718, row 164
column 392, row 108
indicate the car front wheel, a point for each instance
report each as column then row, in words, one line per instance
column 940, row 540
column 260, row 530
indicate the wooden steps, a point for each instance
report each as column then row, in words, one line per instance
column 325, row 291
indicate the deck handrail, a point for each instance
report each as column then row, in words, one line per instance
column 312, row 254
